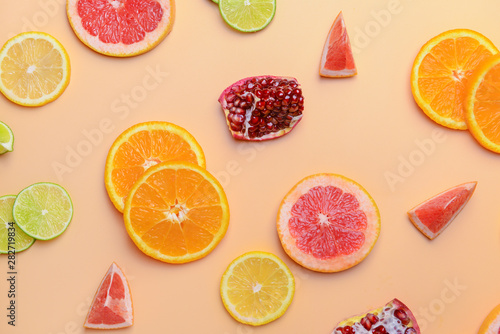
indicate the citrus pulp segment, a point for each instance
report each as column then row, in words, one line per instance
column 43, row 210
column 441, row 71
column 34, row 69
column 176, row 212
column 142, row 146
column 328, row 223
column 112, row 306
column 434, row 215
column 6, row 138
column 491, row 324
column 483, row 104
column 247, row 15
column 257, row 288
column 337, row 60
column 121, row 28
column 12, row 238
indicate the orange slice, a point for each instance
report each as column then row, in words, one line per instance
column 328, row 223
column 483, row 104
column 142, row 146
column 177, row 212
column 491, row 325
column 441, row 71
column 112, row 306
column 336, row 59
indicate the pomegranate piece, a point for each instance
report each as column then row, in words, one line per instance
column 262, row 107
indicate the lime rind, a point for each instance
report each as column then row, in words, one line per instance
column 22, row 240
column 43, row 210
column 247, row 15
column 6, row 138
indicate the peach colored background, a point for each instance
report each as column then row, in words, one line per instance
column 364, row 128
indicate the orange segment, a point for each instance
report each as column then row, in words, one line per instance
column 441, row 71
column 142, row 146
column 176, row 212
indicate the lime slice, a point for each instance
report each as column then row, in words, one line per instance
column 216, row 1
column 6, row 138
column 247, row 15
column 8, row 228
column 43, row 210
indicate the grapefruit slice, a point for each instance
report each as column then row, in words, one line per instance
column 435, row 214
column 392, row 318
column 121, row 28
column 491, row 325
column 328, row 223
column 112, row 304
column 337, row 60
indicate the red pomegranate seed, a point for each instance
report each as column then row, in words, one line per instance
column 260, row 105
column 237, row 102
column 347, row 330
column 238, row 119
column 366, row 323
column 249, row 98
column 379, row 330
column 372, row 317
column 258, row 93
column 264, row 82
column 402, row 316
column 240, row 111
column 230, row 97
column 412, row 330
column 254, row 120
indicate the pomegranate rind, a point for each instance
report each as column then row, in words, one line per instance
column 393, row 304
column 434, row 206
column 126, row 309
column 273, row 135
column 150, row 41
column 340, row 262
column 337, row 44
column 491, row 324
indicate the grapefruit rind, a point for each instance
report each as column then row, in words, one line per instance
column 491, row 324
column 150, row 41
column 341, row 262
column 412, row 214
column 127, row 307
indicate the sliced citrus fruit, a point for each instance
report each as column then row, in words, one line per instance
column 491, row 324
column 328, row 223
column 435, row 214
column 142, row 146
column 112, row 306
column 34, row 69
column 43, row 210
column 6, row 138
column 247, row 15
column 392, row 318
column 257, row 288
column 483, row 104
column 12, row 238
column 337, row 60
column 441, row 71
column 176, row 212
column 121, row 28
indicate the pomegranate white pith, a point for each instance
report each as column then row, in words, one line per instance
column 262, row 107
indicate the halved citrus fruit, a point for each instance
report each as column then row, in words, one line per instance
column 433, row 216
column 257, row 288
column 6, row 138
column 491, row 324
column 483, row 104
column 142, row 146
column 247, row 15
column 176, row 212
column 441, row 71
column 112, row 306
column 328, row 223
column 34, row 69
column 12, row 238
column 337, row 60
column 121, row 28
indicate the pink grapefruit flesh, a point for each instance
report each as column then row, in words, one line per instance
column 112, row 304
column 337, row 60
column 434, row 215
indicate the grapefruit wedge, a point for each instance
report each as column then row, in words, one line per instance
column 435, row 214
column 337, row 60
column 112, row 304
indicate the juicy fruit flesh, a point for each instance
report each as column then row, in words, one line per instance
column 247, row 16
column 6, row 138
column 261, row 106
column 326, row 222
column 108, row 302
column 120, row 21
column 22, row 241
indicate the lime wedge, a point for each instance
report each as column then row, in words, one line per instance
column 247, row 15
column 43, row 210
column 6, row 138
column 8, row 228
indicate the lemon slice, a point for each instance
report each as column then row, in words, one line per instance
column 257, row 288
column 6, row 138
column 34, row 69
column 11, row 236
column 247, row 15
